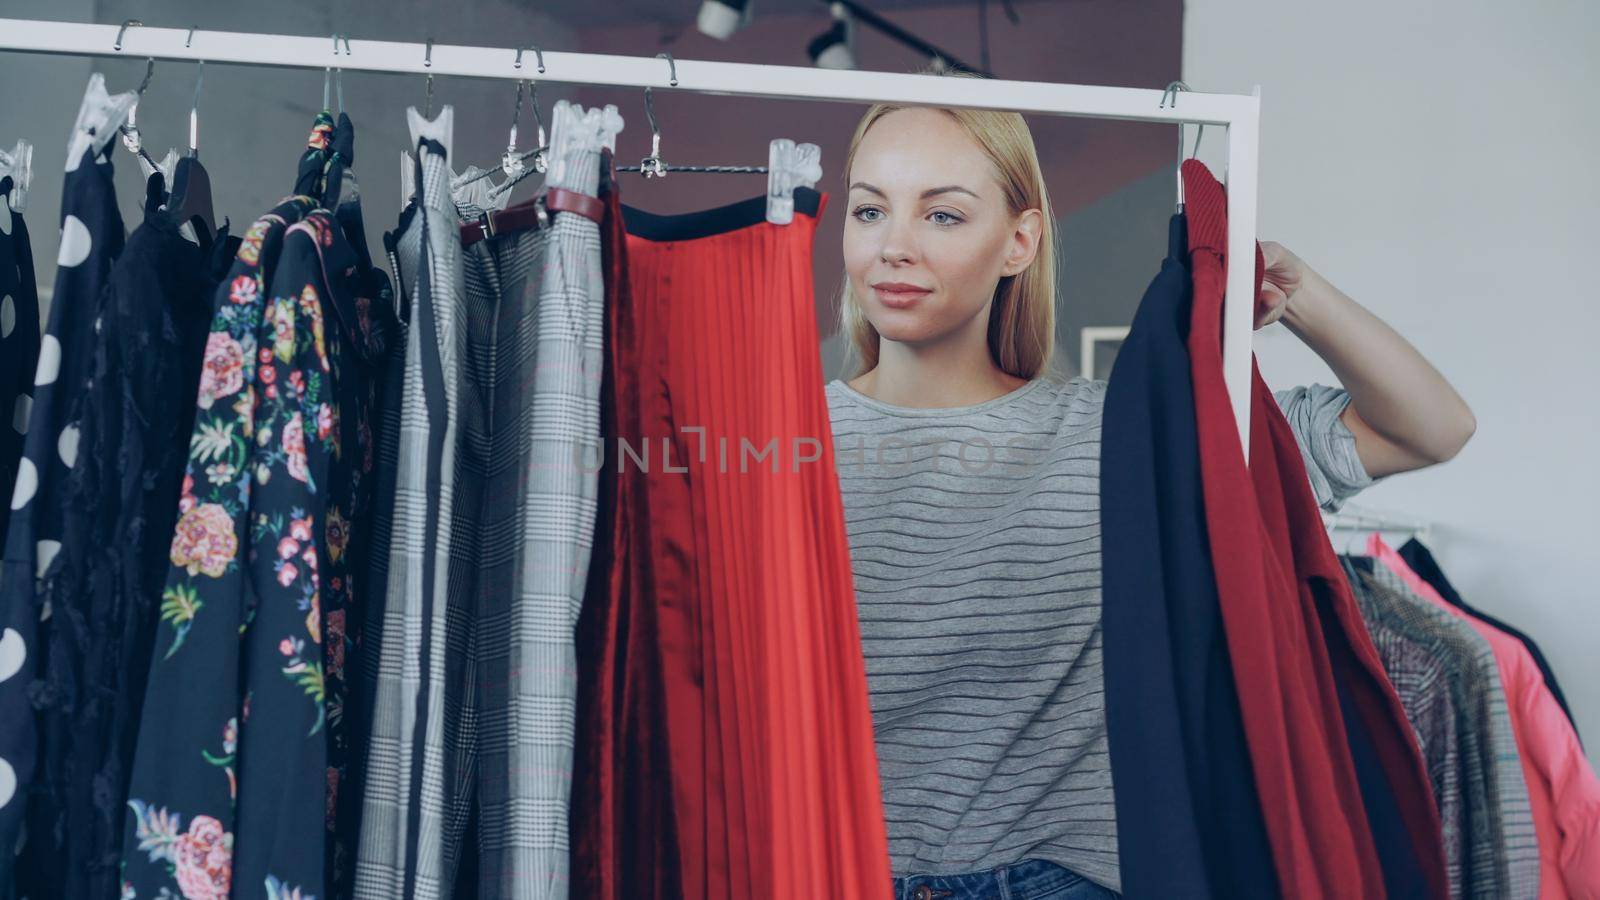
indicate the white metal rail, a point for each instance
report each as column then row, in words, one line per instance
column 1239, row 113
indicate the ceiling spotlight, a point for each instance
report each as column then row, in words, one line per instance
column 831, row 49
column 721, row 18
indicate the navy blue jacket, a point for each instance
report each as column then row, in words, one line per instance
column 1189, row 822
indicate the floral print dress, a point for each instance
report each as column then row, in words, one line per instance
column 184, row 785
column 242, row 744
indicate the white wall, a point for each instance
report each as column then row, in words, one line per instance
column 1438, row 162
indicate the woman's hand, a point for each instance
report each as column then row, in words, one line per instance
column 1283, row 277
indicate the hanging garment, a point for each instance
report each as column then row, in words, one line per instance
column 119, row 505
column 1188, row 815
column 366, row 624
column 1403, row 874
column 1421, row 561
column 412, row 816
column 1293, row 627
column 91, row 239
column 1419, row 679
column 241, row 726
column 733, row 549
column 363, row 302
column 526, row 417
column 19, row 341
column 525, row 501
column 1562, row 788
column 1446, row 678
column 620, row 759
column 224, row 571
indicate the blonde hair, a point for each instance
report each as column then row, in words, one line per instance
column 1022, row 315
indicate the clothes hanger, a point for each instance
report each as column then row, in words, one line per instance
column 408, row 163
column 575, row 132
column 511, row 162
column 17, row 164
column 133, row 139
column 789, row 165
column 1172, row 93
column 328, row 76
column 514, row 165
column 461, row 192
column 336, row 174
column 131, row 136
column 322, row 170
column 427, row 60
column 540, row 155
column 191, row 184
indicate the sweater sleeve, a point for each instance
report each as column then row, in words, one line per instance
column 1326, row 444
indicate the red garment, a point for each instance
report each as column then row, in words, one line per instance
column 725, row 655
column 1563, row 791
column 1280, row 584
column 621, row 824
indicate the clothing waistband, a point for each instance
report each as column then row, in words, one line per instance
column 708, row 222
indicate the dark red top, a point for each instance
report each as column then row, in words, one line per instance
column 1280, row 585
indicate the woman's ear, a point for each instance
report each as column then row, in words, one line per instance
column 1024, row 243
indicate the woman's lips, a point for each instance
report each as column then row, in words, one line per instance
column 899, row 299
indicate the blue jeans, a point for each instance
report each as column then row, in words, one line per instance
column 1031, row 879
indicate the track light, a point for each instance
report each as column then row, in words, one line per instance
column 831, row 49
column 721, row 18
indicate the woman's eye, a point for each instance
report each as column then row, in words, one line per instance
column 953, row 218
column 861, row 211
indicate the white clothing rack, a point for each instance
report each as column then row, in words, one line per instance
column 1239, row 113
column 1354, row 518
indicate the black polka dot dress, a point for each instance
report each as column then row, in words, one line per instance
column 91, row 239
column 19, row 341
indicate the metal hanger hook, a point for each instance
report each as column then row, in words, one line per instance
column 327, row 73
column 194, row 109
column 668, row 57
column 1171, row 93
column 652, row 166
column 516, row 119
column 539, row 54
column 130, row 129
column 650, row 113
column 126, row 24
column 427, row 60
column 538, row 119
column 189, row 41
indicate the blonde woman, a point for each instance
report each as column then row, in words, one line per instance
column 969, row 473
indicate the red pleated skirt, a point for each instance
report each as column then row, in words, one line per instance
column 724, row 737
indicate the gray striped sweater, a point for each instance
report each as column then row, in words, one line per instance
column 975, row 543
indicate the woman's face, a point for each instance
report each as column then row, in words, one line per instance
column 928, row 235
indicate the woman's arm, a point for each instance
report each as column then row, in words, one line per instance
column 1403, row 413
